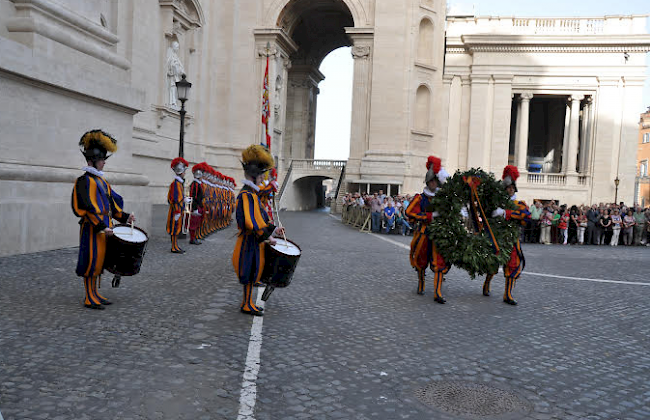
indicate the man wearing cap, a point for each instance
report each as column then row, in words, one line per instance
column 512, row 270
column 253, row 224
column 95, row 202
column 176, row 200
column 424, row 252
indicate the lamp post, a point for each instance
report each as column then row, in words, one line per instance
column 616, row 182
column 182, row 91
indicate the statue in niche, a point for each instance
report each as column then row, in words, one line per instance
column 175, row 70
column 278, row 92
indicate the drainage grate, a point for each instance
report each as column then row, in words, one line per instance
column 471, row 399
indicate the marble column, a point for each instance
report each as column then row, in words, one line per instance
column 574, row 129
column 565, row 139
column 522, row 135
column 585, row 146
column 361, row 91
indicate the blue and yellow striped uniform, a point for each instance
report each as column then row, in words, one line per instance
column 94, row 201
column 248, row 255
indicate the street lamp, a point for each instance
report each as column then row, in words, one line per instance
column 182, row 91
column 616, row 182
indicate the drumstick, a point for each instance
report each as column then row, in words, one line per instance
column 277, row 213
column 131, row 226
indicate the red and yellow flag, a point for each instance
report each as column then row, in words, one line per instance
column 266, row 109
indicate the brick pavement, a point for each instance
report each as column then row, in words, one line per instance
column 348, row 339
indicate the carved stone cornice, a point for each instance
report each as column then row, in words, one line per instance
column 548, row 44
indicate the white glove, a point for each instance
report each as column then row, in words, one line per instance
column 187, row 199
column 177, row 216
column 196, row 213
column 464, row 213
column 435, row 214
column 499, row 212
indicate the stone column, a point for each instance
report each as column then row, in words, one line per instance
column 301, row 112
column 585, row 148
column 565, row 139
column 361, row 91
column 574, row 129
column 522, row 135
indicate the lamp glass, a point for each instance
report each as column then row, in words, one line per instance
column 183, row 88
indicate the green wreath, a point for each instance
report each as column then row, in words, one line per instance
column 455, row 238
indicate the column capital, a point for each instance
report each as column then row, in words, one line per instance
column 526, row 96
column 361, row 51
column 576, row 97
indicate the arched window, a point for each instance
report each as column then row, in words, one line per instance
column 425, row 42
column 422, row 109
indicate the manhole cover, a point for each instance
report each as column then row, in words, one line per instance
column 471, row 399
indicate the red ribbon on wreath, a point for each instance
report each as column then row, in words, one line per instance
column 478, row 214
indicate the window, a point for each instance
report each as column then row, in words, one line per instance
column 643, row 169
column 422, row 109
column 646, row 137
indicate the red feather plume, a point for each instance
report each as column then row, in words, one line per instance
column 511, row 171
column 436, row 162
column 179, row 160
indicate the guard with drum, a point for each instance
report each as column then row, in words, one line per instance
column 96, row 204
column 253, row 224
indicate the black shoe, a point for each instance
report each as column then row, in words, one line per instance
column 106, row 302
column 260, row 312
column 94, row 306
column 178, row 251
column 440, row 300
column 420, row 293
column 195, row 243
column 510, row 301
column 486, row 293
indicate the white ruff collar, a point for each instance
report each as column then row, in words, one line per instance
column 514, row 197
column 179, row 179
column 251, row 184
column 93, row 170
column 428, row 192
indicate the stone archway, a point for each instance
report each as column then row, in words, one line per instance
column 297, row 35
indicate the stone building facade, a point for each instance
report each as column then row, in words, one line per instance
column 642, row 196
column 67, row 66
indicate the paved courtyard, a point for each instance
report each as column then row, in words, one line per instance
column 349, row 339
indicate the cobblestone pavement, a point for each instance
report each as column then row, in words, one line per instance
column 349, row 339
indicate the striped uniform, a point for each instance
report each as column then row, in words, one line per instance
column 513, row 269
column 176, row 199
column 424, row 252
column 95, row 203
column 196, row 192
column 248, row 255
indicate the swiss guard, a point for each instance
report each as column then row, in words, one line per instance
column 512, row 270
column 96, row 204
column 253, row 224
column 196, row 193
column 423, row 250
column 176, row 200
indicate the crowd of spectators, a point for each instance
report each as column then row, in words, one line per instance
column 551, row 223
column 388, row 213
column 600, row 224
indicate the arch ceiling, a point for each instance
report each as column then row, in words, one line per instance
column 317, row 27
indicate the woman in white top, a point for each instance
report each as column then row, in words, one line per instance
column 616, row 227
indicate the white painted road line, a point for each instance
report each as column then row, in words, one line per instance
column 248, row 394
column 529, row 273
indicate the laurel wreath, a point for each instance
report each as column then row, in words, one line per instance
column 454, row 235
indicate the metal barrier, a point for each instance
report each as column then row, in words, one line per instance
column 357, row 217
